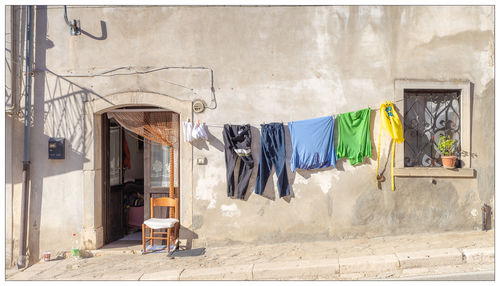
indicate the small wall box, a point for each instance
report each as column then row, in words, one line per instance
column 56, row 148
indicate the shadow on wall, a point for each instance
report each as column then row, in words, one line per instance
column 104, row 33
column 212, row 140
column 62, row 114
column 375, row 151
column 189, row 235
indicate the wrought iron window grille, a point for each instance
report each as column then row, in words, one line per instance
column 427, row 115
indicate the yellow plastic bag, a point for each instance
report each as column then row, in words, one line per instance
column 389, row 120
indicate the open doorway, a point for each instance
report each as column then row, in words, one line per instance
column 134, row 170
column 123, row 196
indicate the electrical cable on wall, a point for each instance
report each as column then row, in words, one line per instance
column 134, row 71
column 110, row 73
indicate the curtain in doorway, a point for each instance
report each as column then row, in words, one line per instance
column 158, row 126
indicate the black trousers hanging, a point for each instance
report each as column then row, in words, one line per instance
column 237, row 144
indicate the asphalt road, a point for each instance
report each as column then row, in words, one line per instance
column 477, row 276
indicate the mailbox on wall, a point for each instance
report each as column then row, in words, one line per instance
column 56, row 148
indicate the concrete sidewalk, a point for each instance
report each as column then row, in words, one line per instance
column 353, row 259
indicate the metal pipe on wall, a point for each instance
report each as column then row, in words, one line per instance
column 21, row 263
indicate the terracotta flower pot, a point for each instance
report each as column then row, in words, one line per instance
column 448, row 161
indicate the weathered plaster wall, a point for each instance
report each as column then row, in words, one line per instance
column 270, row 64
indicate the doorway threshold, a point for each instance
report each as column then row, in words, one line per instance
column 131, row 244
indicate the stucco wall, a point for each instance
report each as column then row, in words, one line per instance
column 270, row 64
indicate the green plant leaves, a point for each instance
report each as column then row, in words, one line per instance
column 446, row 145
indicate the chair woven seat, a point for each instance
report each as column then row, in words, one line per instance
column 158, row 223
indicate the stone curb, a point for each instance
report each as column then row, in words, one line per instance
column 479, row 255
column 430, row 257
column 134, row 276
column 163, row 275
column 236, row 272
column 374, row 263
column 332, row 268
column 301, row 269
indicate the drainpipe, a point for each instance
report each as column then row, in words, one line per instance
column 21, row 263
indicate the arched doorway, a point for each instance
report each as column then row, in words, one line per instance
column 140, row 150
column 93, row 223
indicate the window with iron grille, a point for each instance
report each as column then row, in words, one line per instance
column 427, row 115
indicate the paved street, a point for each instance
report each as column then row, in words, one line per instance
column 418, row 257
column 477, row 276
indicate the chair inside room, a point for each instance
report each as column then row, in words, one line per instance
column 155, row 225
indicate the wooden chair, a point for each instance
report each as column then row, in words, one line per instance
column 160, row 223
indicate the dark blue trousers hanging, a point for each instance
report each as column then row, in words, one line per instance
column 272, row 152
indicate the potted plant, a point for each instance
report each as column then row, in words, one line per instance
column 447, row 149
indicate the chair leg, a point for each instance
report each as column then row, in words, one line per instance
column 174, row 234
column 152, row 232
column 169, row 236
column 175, row 237
column 143, row 239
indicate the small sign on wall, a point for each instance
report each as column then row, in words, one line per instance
column 56, row 148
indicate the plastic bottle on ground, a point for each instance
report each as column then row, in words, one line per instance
column 75, row 247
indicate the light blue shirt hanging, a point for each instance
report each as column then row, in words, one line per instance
column 312, row 143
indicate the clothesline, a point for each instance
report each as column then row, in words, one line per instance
column 258, row 127
column 313, row 145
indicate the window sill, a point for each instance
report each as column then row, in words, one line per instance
column 434, row 172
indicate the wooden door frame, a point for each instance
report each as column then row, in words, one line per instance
column 105, row 175
column 106, row 181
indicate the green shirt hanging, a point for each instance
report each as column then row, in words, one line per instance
column 354, row 136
